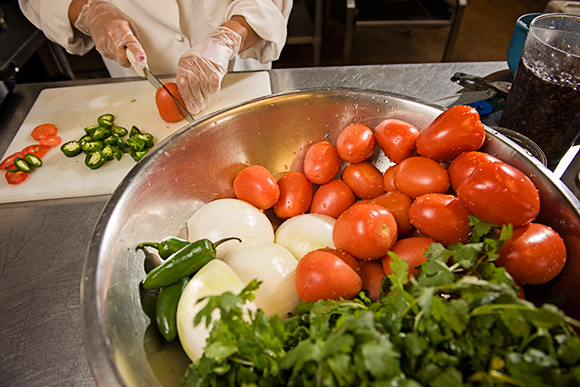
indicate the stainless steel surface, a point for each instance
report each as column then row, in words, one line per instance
column 198, row 164
column 44, row 242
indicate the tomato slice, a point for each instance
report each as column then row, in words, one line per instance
column 36, row 149
column 16, row 177
column 50, row 141
column 8, row 162
column 43, row 130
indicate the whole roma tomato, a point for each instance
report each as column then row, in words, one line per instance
column 388, row 181
column 332, row 198
column 411, row 250
column 367, row 231
column 256, row 185
column 416, row 176
column 396, row 138
column 346, row 257
column 534, row 254
column 321, row 275
column 456, row 130
column 364, row 179
column 398, row 204
column 501, row 194
column 442, row 217
column 295, row 195
column 356, row 143
column 372, row 274
column 321, row 162
column 463, row 166
column 168, row 109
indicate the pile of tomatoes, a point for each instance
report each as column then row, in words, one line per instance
column 46, row 136
column 438, row 180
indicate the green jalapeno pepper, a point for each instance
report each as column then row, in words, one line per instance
column 22, row 164
column 147, row 139
column 166, row 308
column 138, row 155
column 183, row 263
column 95, row 159
column 71, row 148
column 119, row 131
column 168, row 246
column 101, row 133
column 91, row 146
column 134, row 130
column 33, row 160
column 106, row 121
column 108, row 152
column 89, row 130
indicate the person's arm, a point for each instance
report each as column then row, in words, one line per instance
column 239, row 25
column 74, row 10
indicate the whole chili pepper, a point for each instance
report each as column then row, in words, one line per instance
column 185, row 262
column 168, row 246
column 166, row 308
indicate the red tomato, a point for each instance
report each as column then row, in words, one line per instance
column 417, row 176
column 372, row 274
column 346, row 257
column 36, row 149
column 442, row 217
column 396, row 138
column 332, row 198
column 295, row 195
column 321, row 275
column 501, row 194
column 398, row 204
column 256, row 185
column 535, row 254
column 464, row 165
column 356, row 143
column 50, row 141
column 321, row 162
column 388, row 181
column 15, row 177
column 167, row 107
column 411, row 250
column 456, row 130
column 44, row 130
column 364, row 179
column 367, row 231
column 8, row 162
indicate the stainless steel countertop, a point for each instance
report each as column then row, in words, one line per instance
column 43, row 243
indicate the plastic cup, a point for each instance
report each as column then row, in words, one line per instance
column 544, row 100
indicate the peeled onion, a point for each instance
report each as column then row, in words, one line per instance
column 272, row 264
column 225, row 218
column 213, row 279
column 305, row 233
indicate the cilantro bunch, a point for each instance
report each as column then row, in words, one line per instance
column 458, row 323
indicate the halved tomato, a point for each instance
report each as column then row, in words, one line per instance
column 44, row 130
column 8, row 162
column 36, row 149
column 16, row 177
column 50, row 141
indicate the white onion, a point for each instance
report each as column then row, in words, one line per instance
column 272, row 264
column 213, row 279
column 224, row 218
column 305, row 233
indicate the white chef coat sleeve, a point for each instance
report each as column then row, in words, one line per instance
column 51, row 17
column 269, row 19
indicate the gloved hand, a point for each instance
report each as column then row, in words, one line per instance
column 111, row 30
column 200, row 69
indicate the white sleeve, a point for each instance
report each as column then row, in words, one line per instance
column 51, row 17
column 269, row 19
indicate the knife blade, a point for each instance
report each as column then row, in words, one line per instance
column 144, row 72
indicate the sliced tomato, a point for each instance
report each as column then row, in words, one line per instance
column 8, row 162
column 50, row 141
column 36, row 149
column 44, row 130
column 16, row 177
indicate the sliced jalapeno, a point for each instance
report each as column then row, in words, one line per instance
column 136, row 143
column 101, row 133
column 123, row 146
column 111, row 140
column 106, row 120
column 71, row 148
column 85, row 138
column 119, row 131
column 22, row 164
column 108, row 152
column 91, row 146
column 95, row 159
column 90, row 129
column 116, row 152
column 147, row 138
column 134, row 130
column 33, row 160
column 138, row 155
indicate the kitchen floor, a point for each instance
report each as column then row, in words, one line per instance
column 484, row 35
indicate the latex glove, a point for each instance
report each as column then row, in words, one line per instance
column 200, row 69
column 111, row 30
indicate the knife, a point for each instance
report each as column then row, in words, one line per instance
column 153, row 80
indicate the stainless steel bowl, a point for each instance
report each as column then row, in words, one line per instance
column 198, row 164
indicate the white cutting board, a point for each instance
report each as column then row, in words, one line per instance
column 72, row 109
